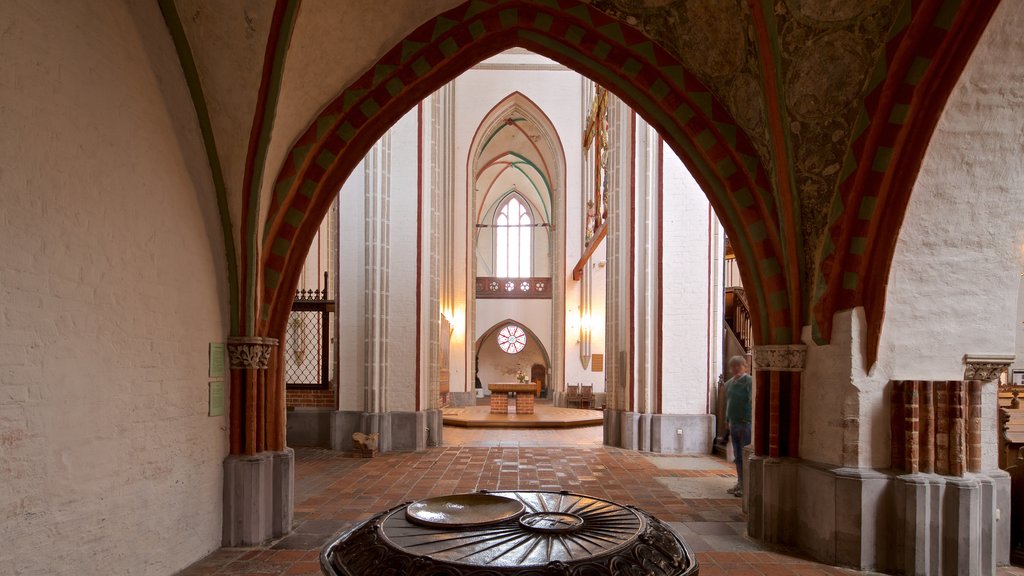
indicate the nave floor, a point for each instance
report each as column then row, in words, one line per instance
column 333, row 492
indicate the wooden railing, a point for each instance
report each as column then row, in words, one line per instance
column 737, row 316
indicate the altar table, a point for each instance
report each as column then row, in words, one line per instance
column 524, row 396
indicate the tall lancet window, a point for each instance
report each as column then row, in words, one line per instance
column 513, row 239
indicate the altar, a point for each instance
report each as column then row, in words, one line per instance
column 501, row 396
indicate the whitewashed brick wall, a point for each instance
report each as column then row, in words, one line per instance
column 685, row 291
column 112, row 282
column 954, row 281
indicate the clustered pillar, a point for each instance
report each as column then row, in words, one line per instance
column 777, row 374
column 258, row 478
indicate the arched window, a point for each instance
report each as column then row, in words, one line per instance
column 513, row 239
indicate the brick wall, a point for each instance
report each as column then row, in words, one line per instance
column 305, row 398
column 499, row 403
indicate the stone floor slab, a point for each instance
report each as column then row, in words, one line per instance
column 700, row 488
column 690, row 463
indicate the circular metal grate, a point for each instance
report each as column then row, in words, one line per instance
column 603, row 527
column 558, row 534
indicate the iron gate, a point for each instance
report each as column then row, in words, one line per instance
column 307, row 352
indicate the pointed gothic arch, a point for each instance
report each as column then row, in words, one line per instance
column 517, row 115
column 529, row 332
column 649, row 79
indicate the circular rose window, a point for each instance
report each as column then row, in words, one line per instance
column 512, row 339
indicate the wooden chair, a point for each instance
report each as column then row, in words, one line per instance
column 587, row 396
column 572, row 395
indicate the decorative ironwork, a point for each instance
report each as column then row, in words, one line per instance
column 561, row 534
column 495, row 287
column 307, row 343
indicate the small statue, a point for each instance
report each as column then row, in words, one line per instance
column 365, row 442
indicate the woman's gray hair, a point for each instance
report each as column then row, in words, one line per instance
column 737, row 361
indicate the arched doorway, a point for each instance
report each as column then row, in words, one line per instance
column 765, row 234
column 718, row 153
column 509, row 348
column 516, row 154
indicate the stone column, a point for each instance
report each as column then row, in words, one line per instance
column 768, row 479
column 258, row 475
column 375, row 408
column 376, row 294
column 621, row 424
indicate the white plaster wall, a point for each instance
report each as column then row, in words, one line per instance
column 351, row 341
column 111, row 286
column 685, row 303
column 827, row 394
column 954, row 282
column 402, row 325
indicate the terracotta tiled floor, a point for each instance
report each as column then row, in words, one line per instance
column 334, row 492
column 582, row 437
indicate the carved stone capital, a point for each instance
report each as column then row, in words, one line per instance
column 780, row 358
column 986, row 367
column 250, row 352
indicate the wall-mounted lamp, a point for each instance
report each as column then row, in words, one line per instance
column 456, row 318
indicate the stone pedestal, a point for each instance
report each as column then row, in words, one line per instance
column 464, row 398
column 660, row 433
column 875, row 520
column 435, row 427
column 397, row 431
column 258, row 497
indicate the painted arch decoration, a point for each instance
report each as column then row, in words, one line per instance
column 649, row 79
column 925, row 53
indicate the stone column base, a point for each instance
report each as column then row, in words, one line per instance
column 333, row 428
column 462, row 398
column 397, row 431
column 258, row 497
column 874, row 520
column 660, row 433
column 435, row 427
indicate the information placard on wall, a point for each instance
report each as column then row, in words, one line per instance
column 216, row 360
column 216, row 371
column 217, row 398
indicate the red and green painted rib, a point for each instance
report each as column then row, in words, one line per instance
column 644, row 75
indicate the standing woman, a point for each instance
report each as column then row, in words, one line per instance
column 738, row 411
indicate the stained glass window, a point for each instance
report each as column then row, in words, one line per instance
column 512, row 339
column 513, row 235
